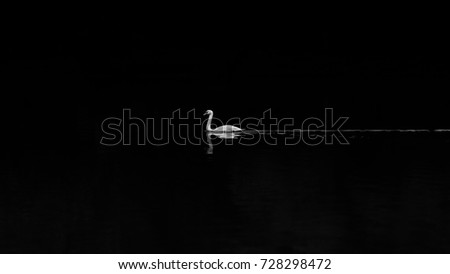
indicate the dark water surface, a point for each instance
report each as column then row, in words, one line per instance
column 62, row 192
column 383, row 193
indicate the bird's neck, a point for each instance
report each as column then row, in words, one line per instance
column 208, row 125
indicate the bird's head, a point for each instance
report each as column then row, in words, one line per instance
column 208, row 112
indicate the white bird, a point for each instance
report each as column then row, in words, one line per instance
column 226, row 128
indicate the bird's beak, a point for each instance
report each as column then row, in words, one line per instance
column 205, row 113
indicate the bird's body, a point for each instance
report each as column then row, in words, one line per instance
column 225, row 128
column 224, row 135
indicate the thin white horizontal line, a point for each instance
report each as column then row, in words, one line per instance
column 345, row 130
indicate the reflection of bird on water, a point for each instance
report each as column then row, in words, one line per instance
column 222, row 135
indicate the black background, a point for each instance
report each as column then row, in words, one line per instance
column 61, row 79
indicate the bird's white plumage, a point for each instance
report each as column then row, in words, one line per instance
column 225, row 128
